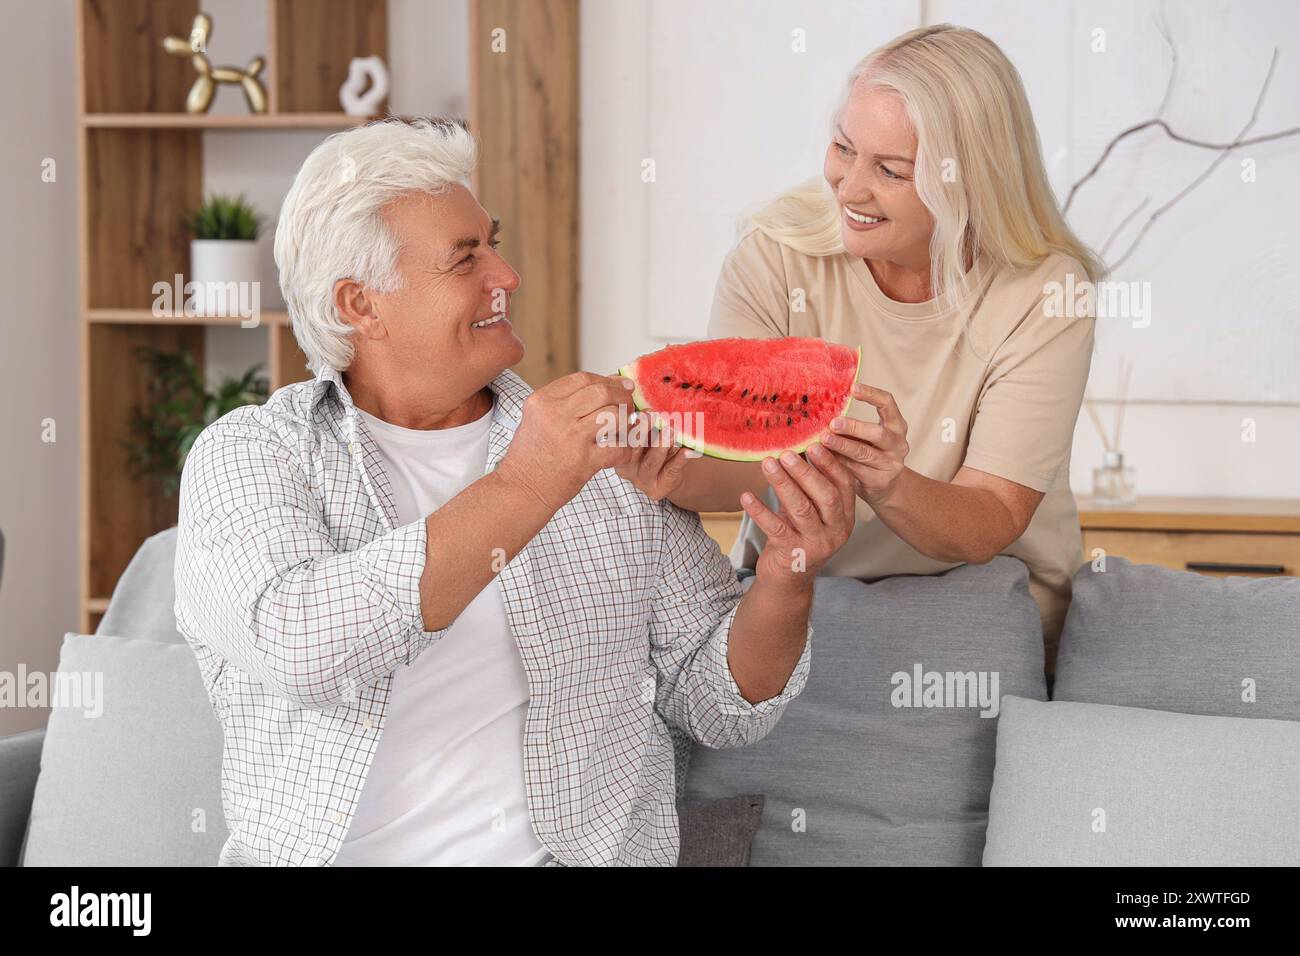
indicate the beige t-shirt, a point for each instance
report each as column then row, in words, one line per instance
column 996, row 387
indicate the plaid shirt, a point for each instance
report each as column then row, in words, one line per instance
column 300, row 598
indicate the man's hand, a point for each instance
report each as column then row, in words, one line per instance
column 770, row 628
column 554, row 451
column 816, row 516
column 658, row 463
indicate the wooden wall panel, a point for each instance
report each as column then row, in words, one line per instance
column 315, row 41
column 524, row 112
column 125, row 68
column 287, row 363
column 141, row 183
column 123, row 511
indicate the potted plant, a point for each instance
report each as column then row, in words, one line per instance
column 179, row 407
column 223, row 251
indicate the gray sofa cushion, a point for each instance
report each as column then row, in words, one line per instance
column 848, row 777
column 719, row 832
column 1170, row 789
column 139, row 784
column 143, row 601
column 1144, row 636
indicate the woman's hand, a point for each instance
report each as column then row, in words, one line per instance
column 658, row 464
column 872, row 453
column 816, row 516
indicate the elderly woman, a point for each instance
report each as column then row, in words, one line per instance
column 436, row 627
column 932, row 242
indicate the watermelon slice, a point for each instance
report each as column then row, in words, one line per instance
column 745, row 399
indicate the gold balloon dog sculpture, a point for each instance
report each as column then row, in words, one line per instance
column 205, row 86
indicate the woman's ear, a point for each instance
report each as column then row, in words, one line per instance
column 357, row 309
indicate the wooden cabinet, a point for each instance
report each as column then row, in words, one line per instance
column 141, row 159
column 1216, row 536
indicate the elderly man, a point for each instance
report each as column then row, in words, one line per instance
column 435, row 624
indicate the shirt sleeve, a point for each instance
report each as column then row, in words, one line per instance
column 690, row 627
column 750, row 300
column 259, row 580
column 1029, row 403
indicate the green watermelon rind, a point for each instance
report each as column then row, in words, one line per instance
column 724, row 453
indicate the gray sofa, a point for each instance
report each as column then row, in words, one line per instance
column 924, row 736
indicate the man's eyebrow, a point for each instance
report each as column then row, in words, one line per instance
column 473, row 242
column 901, row 159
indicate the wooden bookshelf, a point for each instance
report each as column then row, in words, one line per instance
column 141, row 162
column 141, row 159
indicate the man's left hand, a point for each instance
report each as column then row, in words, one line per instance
column 816, row 515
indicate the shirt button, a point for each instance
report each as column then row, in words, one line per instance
column 369, row 724
column 336, row 817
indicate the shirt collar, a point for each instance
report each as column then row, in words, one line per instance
column 509, row 389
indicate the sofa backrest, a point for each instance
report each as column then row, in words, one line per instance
column 879, row 761
column 1138, row 635
column 143, row 601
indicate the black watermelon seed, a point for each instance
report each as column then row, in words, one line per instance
column 744, row 392
column 766, row 423
column 699, row 385
column 717, row 388
column 775, row 396
column 749, row 423
column 668, row 378
column 789, row 420
column 805, row 414
column 804, row 399
column 686, row 385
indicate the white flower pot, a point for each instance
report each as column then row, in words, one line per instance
column 215, row 264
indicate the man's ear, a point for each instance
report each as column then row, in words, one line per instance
column 357, row 309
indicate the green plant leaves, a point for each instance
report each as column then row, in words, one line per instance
column 178, row 409
column 224, row 217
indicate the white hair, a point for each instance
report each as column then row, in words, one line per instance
column 331, row 228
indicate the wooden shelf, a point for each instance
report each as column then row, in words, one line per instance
column 141, row 172
column 263, row 121
column 275, row 317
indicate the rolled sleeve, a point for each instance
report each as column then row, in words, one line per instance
column 690, row 630
column 731, row 701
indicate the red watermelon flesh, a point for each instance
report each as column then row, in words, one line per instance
column 745, row 399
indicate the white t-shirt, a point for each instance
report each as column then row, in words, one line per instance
column 446, row 786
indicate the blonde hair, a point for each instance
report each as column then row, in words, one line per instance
column 966, row 103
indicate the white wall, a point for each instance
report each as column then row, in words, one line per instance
column 38, row 343
column 1222, row 348
column 697, row 93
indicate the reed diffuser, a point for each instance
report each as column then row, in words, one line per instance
column 1113, row 484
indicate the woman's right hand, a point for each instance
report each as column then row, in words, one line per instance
column 658, row 464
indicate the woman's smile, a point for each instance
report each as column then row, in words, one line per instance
column 861, row 222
